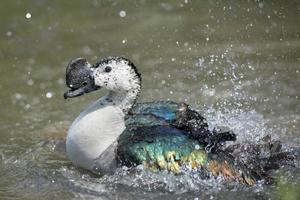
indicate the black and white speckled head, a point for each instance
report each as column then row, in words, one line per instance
column 116, row 74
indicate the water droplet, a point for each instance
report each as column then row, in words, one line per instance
column 27, row 106
column 49, row 95
column 86, row 50
column 200, row 62
column 18, row 96
column 28, row 15
column 30, row 82
column 122, row 13
column 60, row 81
column 8, row 33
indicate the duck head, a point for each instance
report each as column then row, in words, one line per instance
column 116, row 74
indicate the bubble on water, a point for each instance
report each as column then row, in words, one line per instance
column 173, row 59
column 163, row 82
column 166, row 6
column 8, row 33
column 28, row 15
column 186, row 1
column 30, row 82
column 171, row 92
column 49, row 95
column 251, row 67
column 200, row 62
column 124, row 41
column 122, row 13
column 18, row 96
column 209, row 92
column 27, row 106
column 60, row 81
column 86, row 50
column 207, row 39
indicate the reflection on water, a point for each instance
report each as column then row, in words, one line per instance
column 238, row 63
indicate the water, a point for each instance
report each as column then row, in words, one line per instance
column 238, row 63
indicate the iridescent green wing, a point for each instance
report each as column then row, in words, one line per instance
column 167, row 110
column 158, row 147
column 161, row 147
column 179, row 115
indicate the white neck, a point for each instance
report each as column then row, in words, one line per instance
column 122, row 99
column 98, row 127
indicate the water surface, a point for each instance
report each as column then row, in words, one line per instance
column 236, row 62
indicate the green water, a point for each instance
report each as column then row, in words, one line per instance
column 238, row 62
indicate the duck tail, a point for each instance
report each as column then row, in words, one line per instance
column 222, row 163
column 262, row 158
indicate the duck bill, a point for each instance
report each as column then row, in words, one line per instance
column 79, row 78
column 80, row 91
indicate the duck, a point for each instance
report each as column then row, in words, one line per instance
column 161, row 135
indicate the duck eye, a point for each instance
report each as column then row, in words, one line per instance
column 84, row 83
column 107, row 69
